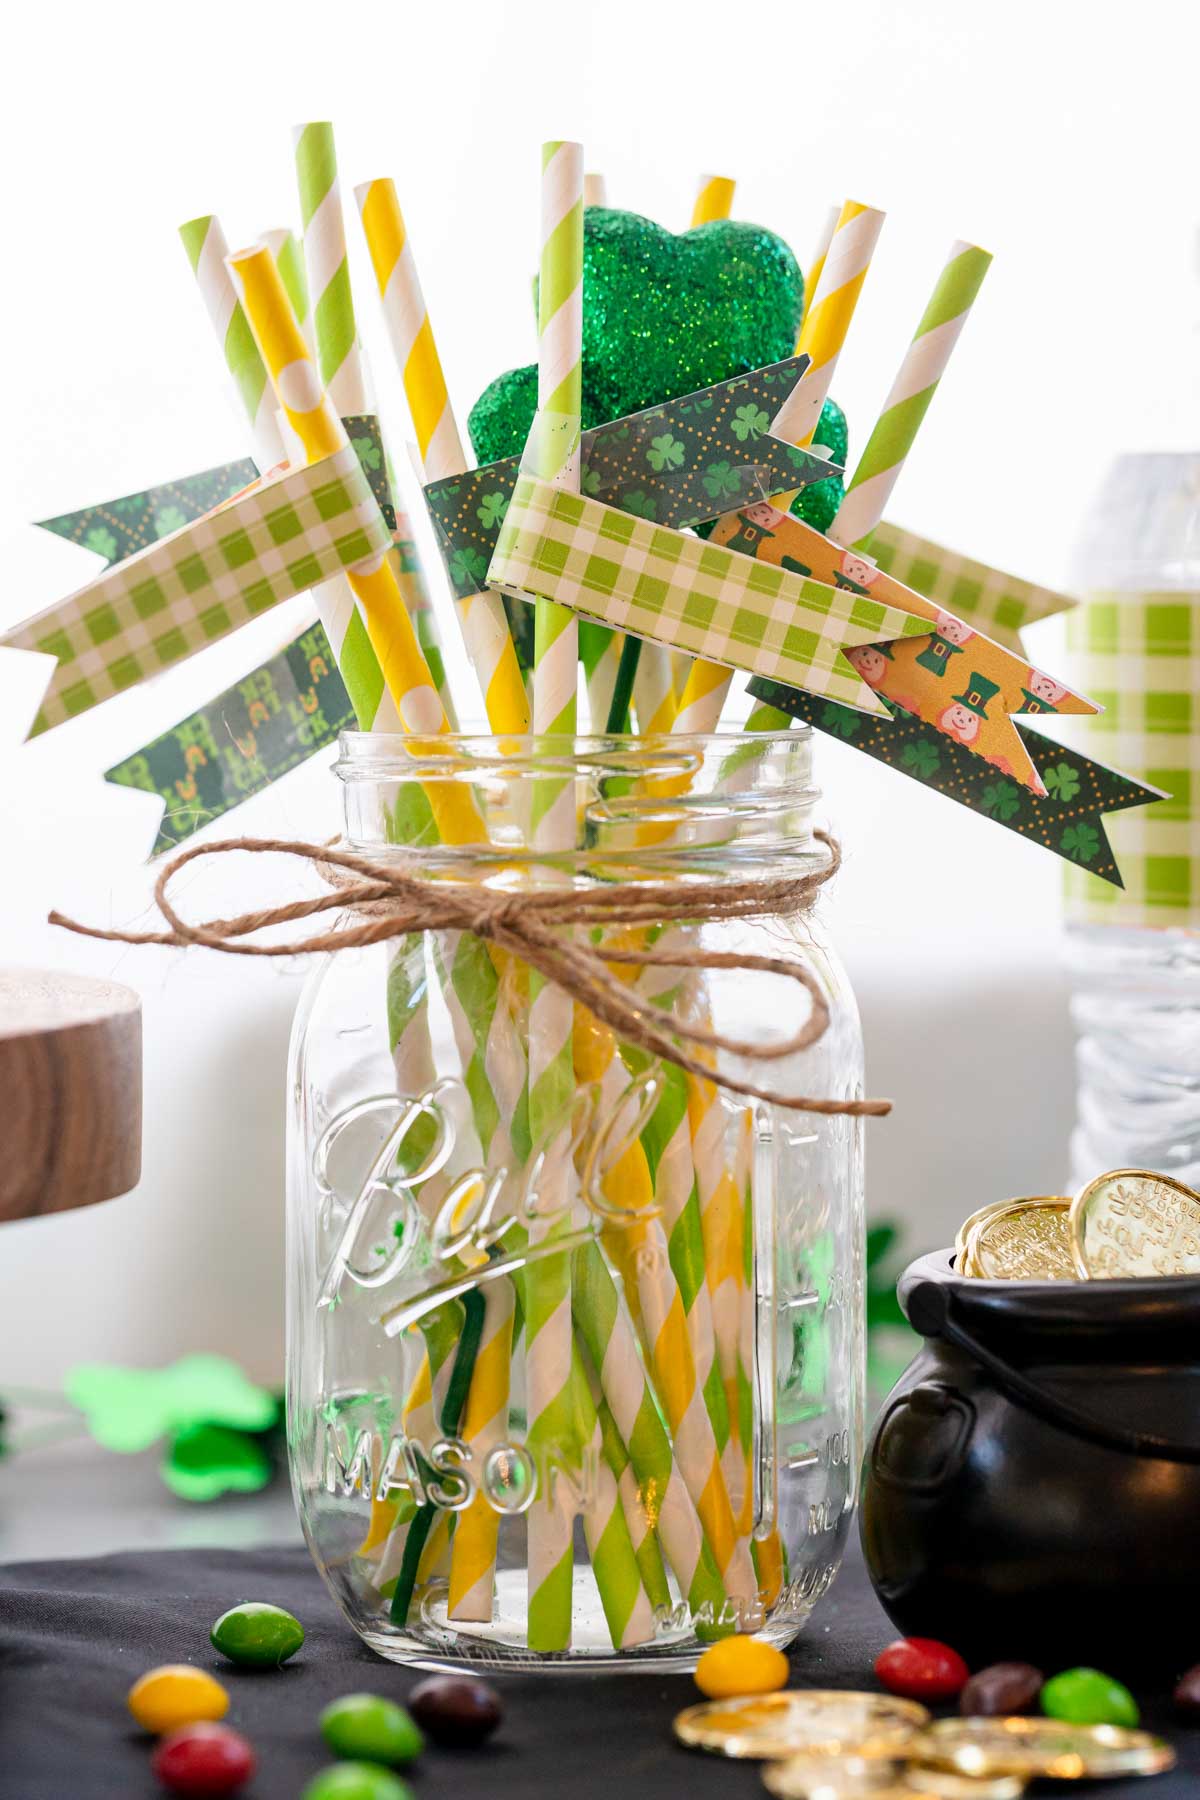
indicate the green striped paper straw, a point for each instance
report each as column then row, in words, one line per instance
column 924, row 363
column 206, row 249
column 553, row 451
column 338, row 354
column 889, row 444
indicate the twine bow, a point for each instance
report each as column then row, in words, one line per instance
column 532, row 925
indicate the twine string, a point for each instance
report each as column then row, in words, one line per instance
column 381, row 901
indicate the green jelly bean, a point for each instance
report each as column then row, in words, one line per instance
column 257, row 1635
column 366, row 1728
column 356, row 1781
column 1087, row 1697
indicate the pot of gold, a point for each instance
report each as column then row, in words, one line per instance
column 1034, row 1477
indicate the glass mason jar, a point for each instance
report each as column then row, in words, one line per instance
column 575, row 1340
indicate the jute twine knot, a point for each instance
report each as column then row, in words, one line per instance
column 383, row 901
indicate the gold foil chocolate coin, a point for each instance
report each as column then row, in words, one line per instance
column 1023, row 1240
column 1033, row 1749
column 879, row 1778
column 802, row 1722
column 1132, row 1222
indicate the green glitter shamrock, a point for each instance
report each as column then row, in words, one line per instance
column 1061, row 780
column 1081, row 841
column 1000, row 800
column 665, row 453
column 719, row 480
column 367, row 452
column 749, row 422
column 921, row 760
column 492, row 509
column 169, row 519
column 129, row 1409
column 101, row 540
column 467, row 565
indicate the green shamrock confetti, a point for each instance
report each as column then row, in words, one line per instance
column 130, row 1409
column 205, row 1461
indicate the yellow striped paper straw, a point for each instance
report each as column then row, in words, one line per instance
column 812, row 275
column 482, row 618
column 822, row 336
column 714, row 199
column 700, row 690
column 314, row 419
column 827, row 322
column 285, row 247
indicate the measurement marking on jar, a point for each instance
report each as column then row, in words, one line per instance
column 799, row 1456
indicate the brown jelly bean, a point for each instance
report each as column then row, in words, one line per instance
column 1187, row 1695
column 456, row 1711
column 1002, row 1689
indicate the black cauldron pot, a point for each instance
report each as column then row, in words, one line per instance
column 1032, row 1484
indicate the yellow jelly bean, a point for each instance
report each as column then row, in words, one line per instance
column 741, row 1665
column 175, row 1695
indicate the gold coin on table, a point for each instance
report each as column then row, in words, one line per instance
column 1036, row 1748
column 802, row 1722
column 1132, row 1222
column 1024, row 1240
column 878, row 1778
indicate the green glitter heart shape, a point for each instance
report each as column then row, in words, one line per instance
column 663, row 315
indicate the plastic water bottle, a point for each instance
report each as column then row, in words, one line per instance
column 1136, row 981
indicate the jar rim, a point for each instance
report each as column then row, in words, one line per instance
column 363, row 753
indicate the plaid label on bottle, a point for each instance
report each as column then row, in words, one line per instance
column 1140, row 657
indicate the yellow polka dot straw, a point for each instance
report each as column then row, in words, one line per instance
column 482, row 617
column 316, row 424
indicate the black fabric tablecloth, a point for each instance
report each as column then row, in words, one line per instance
column 74, row 1636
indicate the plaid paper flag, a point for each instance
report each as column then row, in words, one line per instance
column 196, row 586
column 713, row 603
column 997, row 604
column 678, row 464
column 1141, row 654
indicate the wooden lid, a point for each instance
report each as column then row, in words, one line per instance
column 71, row 1087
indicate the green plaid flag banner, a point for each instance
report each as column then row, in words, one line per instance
column 1141, row 656
column 268, row 723
column 115, row 529
column 1067, row 818
column 186, row 591
column 678, row 464
column 996, row 604
column 714, row 603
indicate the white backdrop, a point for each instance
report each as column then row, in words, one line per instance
column 1062, row 138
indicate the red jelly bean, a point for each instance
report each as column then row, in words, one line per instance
column 921, row 1669
column 204, row 1760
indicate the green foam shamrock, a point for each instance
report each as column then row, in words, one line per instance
column 665, row 315
column 130, row 1409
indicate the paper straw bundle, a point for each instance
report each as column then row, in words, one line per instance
column 631, row 1354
